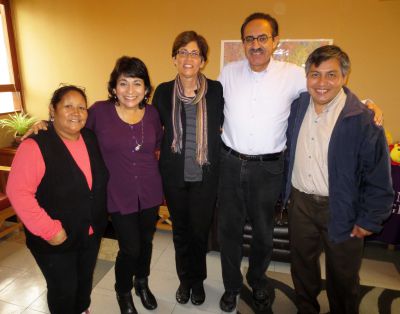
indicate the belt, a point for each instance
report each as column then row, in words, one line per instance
column 316, row 198
column 265, row 157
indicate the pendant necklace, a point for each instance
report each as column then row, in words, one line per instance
column 139, row 145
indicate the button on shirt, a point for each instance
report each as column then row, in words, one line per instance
column 257, row 105
column 135, row 181
column 310, row 170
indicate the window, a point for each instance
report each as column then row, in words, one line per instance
column 10, row 86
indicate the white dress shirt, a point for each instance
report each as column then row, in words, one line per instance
column 310, row 169
column 257, row 105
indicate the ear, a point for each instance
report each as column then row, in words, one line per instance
column 275, row 42
column 346, row 79
column 174, row 61
column 51, row 111
column 202, row 64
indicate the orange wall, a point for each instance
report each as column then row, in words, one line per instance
column 78, row 41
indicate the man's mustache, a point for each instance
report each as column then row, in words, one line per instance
column 253, row 50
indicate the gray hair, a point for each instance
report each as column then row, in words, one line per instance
column 325, row 53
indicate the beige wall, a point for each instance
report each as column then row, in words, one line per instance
column 78, row 41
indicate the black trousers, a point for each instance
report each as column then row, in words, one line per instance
column 69, row 277
column 135, row 234
column 192, row 209
column 308, row 221
column 247, row 189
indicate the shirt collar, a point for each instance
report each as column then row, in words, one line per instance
column 270, row 65
column 331, row 105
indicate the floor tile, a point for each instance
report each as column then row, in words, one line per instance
column 24, row 289
column 104, row 301
column 30, row 311
column 184, row 309
column 8, row 275
column 17, row 256
column 40, row 304
column 214, row 271
column 162, row 240
column 379, row 274
column 8, row 308
column 281, row 267
column 108, row 281
column 164, row 285
column 166, row 262
column 155, row 256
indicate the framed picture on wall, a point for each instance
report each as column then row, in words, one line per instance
column 289, row 50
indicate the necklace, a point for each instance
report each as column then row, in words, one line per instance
column 139, row 145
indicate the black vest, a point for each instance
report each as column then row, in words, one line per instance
column 65, row 194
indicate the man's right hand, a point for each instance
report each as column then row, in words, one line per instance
column 59, row 238
column 40, row 125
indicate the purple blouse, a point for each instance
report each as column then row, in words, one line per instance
column 135, row 181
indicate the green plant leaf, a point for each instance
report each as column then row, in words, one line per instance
column 18, row 123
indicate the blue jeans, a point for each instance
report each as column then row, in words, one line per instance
column 247, row 189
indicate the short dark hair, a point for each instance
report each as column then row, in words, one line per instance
column 60, row 92
column 129, row 67
column 327, row 52
column 261, row 16
column 186, row 37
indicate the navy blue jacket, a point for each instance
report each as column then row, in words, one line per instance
column 360, row 185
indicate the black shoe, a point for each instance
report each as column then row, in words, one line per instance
column 182, row 294
column 228, row 301
column 261, row 299
column 125, row 302
column 198, row 294
column 143, row 291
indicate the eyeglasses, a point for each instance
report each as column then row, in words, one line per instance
column 262, row 39
column 185, row 54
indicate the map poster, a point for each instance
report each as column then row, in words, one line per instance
column 289, row 50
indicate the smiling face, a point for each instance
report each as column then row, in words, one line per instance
column 325, row 82
column 70, row 115
column 188, row 66
column 130, row 91
column 258, row 53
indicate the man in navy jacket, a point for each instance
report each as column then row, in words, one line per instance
column 338, row 182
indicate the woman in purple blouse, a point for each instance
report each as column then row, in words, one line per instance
column 129, row 133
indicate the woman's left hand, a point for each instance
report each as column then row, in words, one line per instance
column 59, row 238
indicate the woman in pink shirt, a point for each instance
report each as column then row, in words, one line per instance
column 57, row 186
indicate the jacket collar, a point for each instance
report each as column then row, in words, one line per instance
column 352, row 107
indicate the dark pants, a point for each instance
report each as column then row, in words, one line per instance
column 191, row 208
column 308, row 221
column 69, row 277
column 135, row 239
column 247, row 189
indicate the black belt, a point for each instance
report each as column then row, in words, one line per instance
column 265, row 157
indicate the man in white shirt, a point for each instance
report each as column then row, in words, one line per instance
column 339, row 184
column 258, row 93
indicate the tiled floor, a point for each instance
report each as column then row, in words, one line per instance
column 23, row 289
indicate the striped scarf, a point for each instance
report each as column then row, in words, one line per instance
column 178, row 98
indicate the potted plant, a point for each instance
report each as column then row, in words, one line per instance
column 17, row 123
